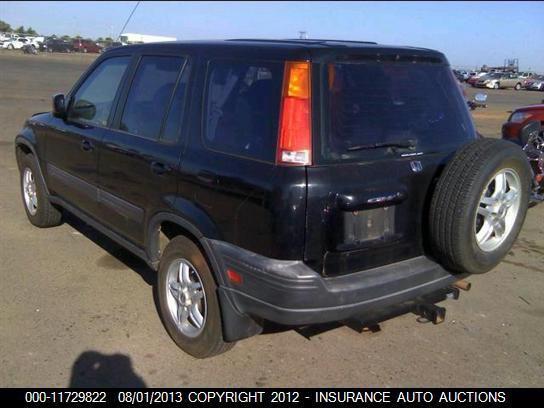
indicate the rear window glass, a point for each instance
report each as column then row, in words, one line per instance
column 242, row 108
column 379, row 103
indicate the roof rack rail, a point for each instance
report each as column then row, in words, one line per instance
column 320, row 40
column 301, row 41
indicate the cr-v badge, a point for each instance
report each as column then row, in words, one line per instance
column 416, row 166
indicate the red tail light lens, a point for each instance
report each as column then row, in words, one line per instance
column 295, row 136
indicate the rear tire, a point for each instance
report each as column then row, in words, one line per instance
column 479, row 205
column 185, row 294
column 496, row 85
column 517, row 87
column 39, row 210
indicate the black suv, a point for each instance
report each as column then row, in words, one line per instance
column 292, row 181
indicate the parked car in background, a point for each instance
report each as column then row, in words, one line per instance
column 57, row 45
column 520, row 118
column 36, row 42
column 86, row 46
column 535, row 83
column 526, row 75
column 458, row 75
column 15, row 44
column 462, row 76
column 112, row 45
column 475, row 78
column 500, row 81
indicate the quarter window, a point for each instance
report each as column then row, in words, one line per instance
column 93, row 101
column 242, row 108
column 150, row 95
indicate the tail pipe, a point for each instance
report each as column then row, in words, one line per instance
column 462, row 284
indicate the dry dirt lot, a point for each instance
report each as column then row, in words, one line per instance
column 76, row 309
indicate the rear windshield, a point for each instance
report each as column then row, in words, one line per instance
column 381, row 103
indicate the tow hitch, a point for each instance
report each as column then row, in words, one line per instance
column 436, row 314
column 430, row 312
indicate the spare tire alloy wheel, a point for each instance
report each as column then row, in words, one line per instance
column 498, row 210
column 479, row 205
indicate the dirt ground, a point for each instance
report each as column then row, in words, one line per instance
column 76, row 309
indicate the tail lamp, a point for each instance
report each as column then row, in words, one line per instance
column 295, row 136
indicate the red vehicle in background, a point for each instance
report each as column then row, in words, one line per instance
column 525, row 126
column 475, row 78
column 86, row 46
column 516, row 126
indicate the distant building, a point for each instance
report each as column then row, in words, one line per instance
column 131, row 38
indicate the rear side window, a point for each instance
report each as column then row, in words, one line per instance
column 150, row 95
column 242, row 108
column 93, row 100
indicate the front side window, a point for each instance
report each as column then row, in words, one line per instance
column 150, row 95
column 92, row 102
column 242, row 108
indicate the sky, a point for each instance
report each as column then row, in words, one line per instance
column 469, row 33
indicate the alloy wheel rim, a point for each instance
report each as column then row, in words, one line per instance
column 498, row 209
column 186, row 298
column 29, row 191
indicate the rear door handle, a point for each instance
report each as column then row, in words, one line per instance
column 159, row 168
column 86, row 146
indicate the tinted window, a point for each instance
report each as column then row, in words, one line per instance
column 150, row 95
column 242, row 108
column 172, row 124
column 93, row 100
column 372, row 103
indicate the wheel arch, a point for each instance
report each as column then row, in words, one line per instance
column 235, row 324
column 164, row 226
column 24, row 146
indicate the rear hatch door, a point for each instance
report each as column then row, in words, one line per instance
column 387, row 125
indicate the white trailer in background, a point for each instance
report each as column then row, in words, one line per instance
column 131, row 38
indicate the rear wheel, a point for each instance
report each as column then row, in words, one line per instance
column 479, row 205
column 517, row 87
column 188, row 300
column 496, row 85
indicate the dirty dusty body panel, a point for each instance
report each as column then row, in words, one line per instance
column 285, row 229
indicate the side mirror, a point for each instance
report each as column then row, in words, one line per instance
column 59, row 106
column 479, row 97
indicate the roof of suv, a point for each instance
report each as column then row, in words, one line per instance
column 293, row 47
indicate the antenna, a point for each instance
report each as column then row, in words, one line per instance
column 303, row 35
column 128, row 19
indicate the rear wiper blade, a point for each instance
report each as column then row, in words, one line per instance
column 405, row 143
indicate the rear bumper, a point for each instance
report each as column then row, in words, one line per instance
column 289, row 292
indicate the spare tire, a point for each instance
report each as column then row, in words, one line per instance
column 479, row 205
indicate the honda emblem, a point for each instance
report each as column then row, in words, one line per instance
column 416, row 166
